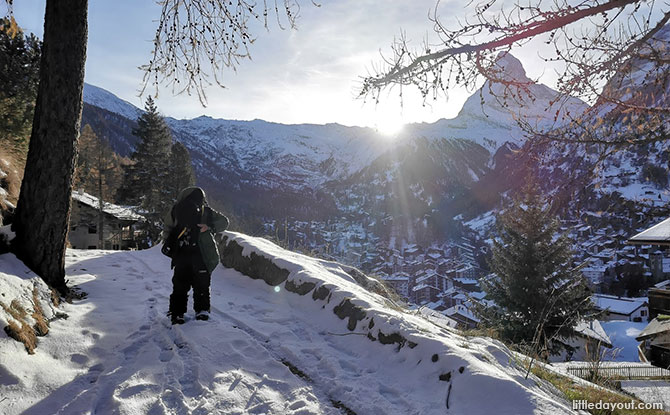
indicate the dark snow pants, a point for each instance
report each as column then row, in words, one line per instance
column 189, row 271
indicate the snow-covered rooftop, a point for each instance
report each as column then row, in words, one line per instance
column 119, row 212
column 619, row 305
column 654, row 327
column 593, row 330
column 658, row 234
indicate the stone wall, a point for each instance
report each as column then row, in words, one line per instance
column 257, row 266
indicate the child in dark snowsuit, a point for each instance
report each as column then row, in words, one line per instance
column 194, row 252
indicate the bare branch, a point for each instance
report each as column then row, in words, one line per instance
column 196, row 41
column 543, row 22
column 605, row 48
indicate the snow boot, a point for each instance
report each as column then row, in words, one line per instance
column 202, row 315
column 177, row 319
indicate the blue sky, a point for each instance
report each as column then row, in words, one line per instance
column 307, row 75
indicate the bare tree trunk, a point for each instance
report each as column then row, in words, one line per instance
column 43, row 210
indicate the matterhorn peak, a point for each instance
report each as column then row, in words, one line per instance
column 504, row 105
column 510, row 68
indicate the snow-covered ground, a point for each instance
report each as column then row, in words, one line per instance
column 265, row 350
column 651, row 391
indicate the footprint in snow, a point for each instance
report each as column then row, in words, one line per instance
column 79, row 359
column 141, row 389
column 94, row 373
column 166, row 348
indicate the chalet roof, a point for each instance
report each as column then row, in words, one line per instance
column 663, row 284
column 618, row 305
column 438, row 318
column 594, row 269
column 412, row 249
column 658, row 234
column 467, row 281
column 593, row 330
column 460, row 310
column 424, row 278
column 478, row 295
column 654, row 328
column 119, row 212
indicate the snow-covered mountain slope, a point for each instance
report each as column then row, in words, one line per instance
column 266, row 349
column 642, row 80
column 605, row 177
column 104, row 99
column 280, row 154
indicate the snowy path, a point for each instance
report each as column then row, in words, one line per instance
column 264, row 351
column 130, row 360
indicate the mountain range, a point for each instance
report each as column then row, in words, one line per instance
column 417, row 183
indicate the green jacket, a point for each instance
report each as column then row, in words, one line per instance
column 215, row 221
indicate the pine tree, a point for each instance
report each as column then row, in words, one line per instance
column 180, row 171
column 145, row 180
column 19, row 77
column 538, row 294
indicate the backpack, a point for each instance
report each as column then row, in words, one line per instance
column 186, row 214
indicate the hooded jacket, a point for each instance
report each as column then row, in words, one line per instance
column 215, row 221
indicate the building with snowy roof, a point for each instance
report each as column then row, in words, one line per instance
column 621, row 308
column 656, row 341
column 118, row 229
column 424, row 293
column 594, row 274
column 463, row 315
column 399, row 283
column 658, row 234
column 587, row 343
column 467, row 284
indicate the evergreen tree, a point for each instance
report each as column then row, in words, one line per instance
column 19, row 77
column 145, row 179
column 538, row 295
column 180, row 171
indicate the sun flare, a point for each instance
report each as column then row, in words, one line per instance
column 390, row 126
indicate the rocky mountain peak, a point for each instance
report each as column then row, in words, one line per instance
column 510, row 67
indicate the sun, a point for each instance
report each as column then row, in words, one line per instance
column 389, row 126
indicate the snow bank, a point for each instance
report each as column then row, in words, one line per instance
column 442, row 368
column 25, row 301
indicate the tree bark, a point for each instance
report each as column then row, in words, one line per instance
column 43, row 209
